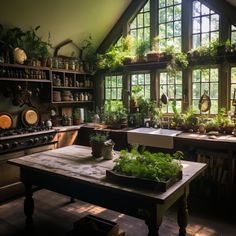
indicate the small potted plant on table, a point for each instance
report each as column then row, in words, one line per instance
column 97, row 144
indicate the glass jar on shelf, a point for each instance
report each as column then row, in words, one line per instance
column 66, row 64
column 72, row 64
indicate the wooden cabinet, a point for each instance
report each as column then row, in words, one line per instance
column 71, row 87
column 66, row 138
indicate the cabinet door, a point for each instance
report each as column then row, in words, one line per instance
column 67, row 138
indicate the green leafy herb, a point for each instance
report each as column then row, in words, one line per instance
column 154, row 166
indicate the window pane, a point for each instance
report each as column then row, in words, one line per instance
column 170, row 13
column 195, row 105
column 111, row 87
column 205, row 10
column 196, row 76
column 214, row 106
column 169, row 2
column 141, row 20
column 163, row 78
column 205, row 75
column 119, row 93
column 205, row 39
column 196, row 90
column 178, row 90
column 162, row 3
column 170, row 30
column 177, row 28
column 196, row 25
column 196, row 8
column 214, row 90
column 206, row 23
column 196, row 41
column 214, row 22
column 162, row 15
column 170, row 24
column 177, row 10
column 214, row 75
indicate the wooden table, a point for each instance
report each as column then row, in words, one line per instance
column 72, row 171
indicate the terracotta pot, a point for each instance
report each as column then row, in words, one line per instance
column 153, row 57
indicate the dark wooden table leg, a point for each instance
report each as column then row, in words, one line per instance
column 28, row 205
column 182, row 216
column 154, row 220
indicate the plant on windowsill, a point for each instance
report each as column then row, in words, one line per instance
column 136, row 94
column 140, row 51
column 190, row 120
column 128, row 49
column 154, row 55
column 97, row 144
column 115, row 115
column 111, row 60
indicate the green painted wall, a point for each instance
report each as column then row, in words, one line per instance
column 74, row 19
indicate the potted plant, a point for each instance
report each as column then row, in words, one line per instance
column 154, row 55
column 115, row 115
column 9, row 40
column 97, row 144
column 190, row 120
column 141, row 49
column 135, row 95
column 35, row 47
column 128, row 49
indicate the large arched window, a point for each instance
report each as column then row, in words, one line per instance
column 205, row 25
column 140, row 26
column 169, row 24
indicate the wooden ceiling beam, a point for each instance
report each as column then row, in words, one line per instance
column 222, row 8
column 117, row 30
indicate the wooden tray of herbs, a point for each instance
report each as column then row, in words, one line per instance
column 154, row 171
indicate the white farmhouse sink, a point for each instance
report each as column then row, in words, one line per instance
column 162, row 138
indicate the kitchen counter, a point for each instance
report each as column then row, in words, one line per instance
column 216, row 142
column 67, row 128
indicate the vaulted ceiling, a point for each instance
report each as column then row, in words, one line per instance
column 74, row 19
column 232, row 2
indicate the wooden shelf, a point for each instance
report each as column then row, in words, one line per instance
column 27, row 80
column 74, row 102
column 24, row 66
column 68, row 71
column 76, row 88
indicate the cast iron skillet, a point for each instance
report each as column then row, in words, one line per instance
column 30, row 116
column 6, row 120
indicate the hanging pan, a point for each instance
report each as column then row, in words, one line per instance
column 30, row 116
column 204, row 102
column 6, row 120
